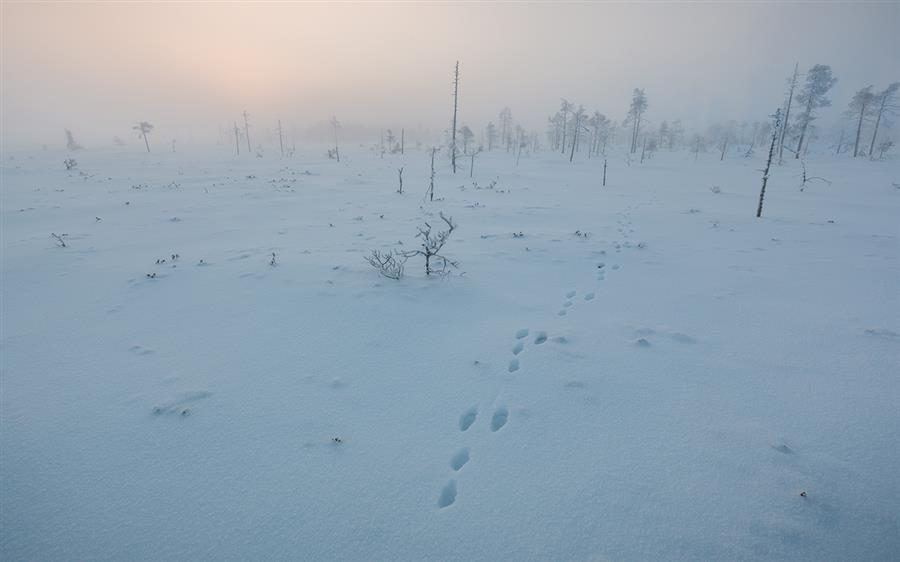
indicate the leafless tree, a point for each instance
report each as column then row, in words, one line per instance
column 432, row 243
column 885, row 104
column 70, row 142
column 335, row 125
column 577, row 125
column 431, row 185
column 806, row 178
column 237, row 139
column 860, row 104
column 787, row 111
column 490, row 135
column 564, row 107
column 453, row 125
column 400, row 174
column 765, row 179
column 638, row 107
column 389, row 264
column 247, row 131
column 280, row 138
column 143, row 128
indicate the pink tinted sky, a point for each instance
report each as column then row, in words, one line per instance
column 189, row 67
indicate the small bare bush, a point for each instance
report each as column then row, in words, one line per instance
column 389, row 264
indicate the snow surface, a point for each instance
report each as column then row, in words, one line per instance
column 661, row 389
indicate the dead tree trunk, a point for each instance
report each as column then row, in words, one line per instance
column 280, row 138
column 806, row 120
column 455, row 106
column 881, row 108
column 604, row 172
column 237, row 141
column 765, row 178
column 402, row 140
column 400, row 174
column 247, row 131
column 787, row 113
column 862, row 113
column 431, row 185
column 575, row 136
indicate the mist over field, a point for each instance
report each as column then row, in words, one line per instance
column 449, row 281
column 191, row 68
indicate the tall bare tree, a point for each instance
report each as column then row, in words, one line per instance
column 885, row 104
column 453, row 126
column 280, row 138
column 765, row 179
column 564, row 107
column 638, row 107
column 859, row 108
column 335, row 125
column 247, row 131
column 143, row 128
column 490, row 134
column 787, row 112
column 577, row 124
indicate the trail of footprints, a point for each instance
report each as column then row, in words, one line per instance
column 500, row 416
column 462, row 456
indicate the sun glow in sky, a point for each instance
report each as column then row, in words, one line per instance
column 191, row 67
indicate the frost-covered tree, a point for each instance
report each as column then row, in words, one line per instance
column 467, row 136
column 335, row 125
column 813, row 96
column 247, row 131
column 792, row 86
column 453, row 149
column 676, row 134
column 885, row 104
column 143, row 128
column 599, row 125
column 506, row 127
column 860, row 106
column 577, row 126
column 490, row 134
column 71, row 144
column 564, row 108
column 776, row 126
column 663, row 133
column 432, row 243
column 638, row 107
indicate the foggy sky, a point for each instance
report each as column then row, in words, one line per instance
column 190, row 68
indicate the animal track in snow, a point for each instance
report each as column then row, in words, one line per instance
column 179, row 405
column 468, row 418
column 522, row 333
column 540, row 338
column 562, row 313
column 589, row 297
column 517, row 349
column 499, row 419
column 448, row 495
column 567, row 304
column 460, row 459
column 570, row 294
column 514, row 365
column 140, row 350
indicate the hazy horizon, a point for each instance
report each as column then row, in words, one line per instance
column 190, row 68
